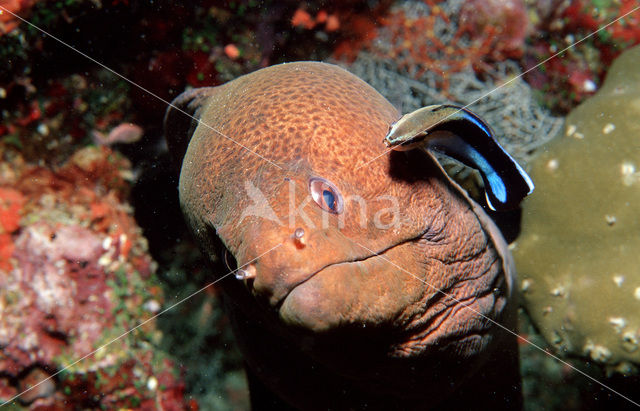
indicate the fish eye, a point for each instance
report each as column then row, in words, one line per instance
column 326, row 195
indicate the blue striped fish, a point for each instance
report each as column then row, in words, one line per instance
column 458, row 133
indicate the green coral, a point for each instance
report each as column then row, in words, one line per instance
column 579, row 252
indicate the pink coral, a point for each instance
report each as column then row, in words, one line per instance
column 78, row 278
column 61, row 300
column 123, row 133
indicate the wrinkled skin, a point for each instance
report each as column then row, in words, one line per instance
column 330, row 323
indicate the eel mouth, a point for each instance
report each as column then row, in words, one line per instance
column 370, row 254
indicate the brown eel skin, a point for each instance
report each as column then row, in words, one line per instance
column 388, row 297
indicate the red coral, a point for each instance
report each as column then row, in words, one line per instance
column 7, row 21
column 301, row 18
column 231, row 50
column 417, row 47
column 11, row 202
column 579, row 17
column 484, row 31
column 505, row 21
column 358, row 32
column 569, row 79
column 627, row 29
column 6, row 389
column 203, row 72
column 33, row 115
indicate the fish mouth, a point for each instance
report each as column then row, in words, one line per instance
column 348, row 262
column 295, row 285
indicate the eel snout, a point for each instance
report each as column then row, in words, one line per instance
column 299, row 253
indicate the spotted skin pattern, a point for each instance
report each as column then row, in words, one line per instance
column 401, row 341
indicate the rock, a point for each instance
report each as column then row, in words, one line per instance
column 578, row 257
column 78, row 276
column 38, row 383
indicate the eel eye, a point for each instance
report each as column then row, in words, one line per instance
column 326, row 195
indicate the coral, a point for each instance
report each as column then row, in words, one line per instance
column 51, row 98
column 123, row 133
column 506, row 21
column 49, row 123
column 345, row 27
column 359, row 34
column 77, row 276
column 566, row 81
column 518, row 122
column 450, row 37
column 302, row 18
column 592, row 14
column 577, row 257
column 563, row 82
column 7, row 22
column 11, row 202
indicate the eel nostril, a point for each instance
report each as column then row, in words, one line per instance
column 246, row 273
column 298, row 237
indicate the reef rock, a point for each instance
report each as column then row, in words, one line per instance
column 578, row 257
column 76, row 275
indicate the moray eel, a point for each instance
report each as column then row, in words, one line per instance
column 376, row 285
column 458, row 133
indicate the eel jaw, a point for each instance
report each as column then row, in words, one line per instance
column 316, row 304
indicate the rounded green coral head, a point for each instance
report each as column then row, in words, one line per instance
column 578, row 257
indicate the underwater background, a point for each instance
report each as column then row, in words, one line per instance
column 92, row 240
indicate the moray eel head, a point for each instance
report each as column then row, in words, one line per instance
column 275, row 165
